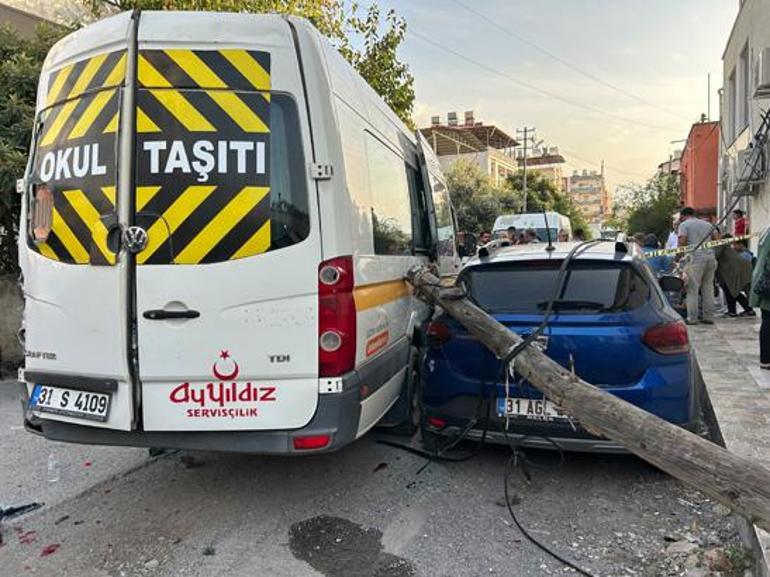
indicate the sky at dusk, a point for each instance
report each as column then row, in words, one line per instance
column 655, row 54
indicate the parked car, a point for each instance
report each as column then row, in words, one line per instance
column 611, row 325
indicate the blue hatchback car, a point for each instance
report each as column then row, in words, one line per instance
column 611, row 325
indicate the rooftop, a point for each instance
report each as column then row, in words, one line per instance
column 543, row 160
column 475, row 138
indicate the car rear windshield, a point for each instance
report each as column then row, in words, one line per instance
column 527, row 287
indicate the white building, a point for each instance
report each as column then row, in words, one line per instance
column 743, row 163
column 486, row 145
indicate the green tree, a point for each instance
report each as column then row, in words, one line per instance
column 476, row 202
column 543, row 195
column 379, row 38
column 20, row 63
column 650, row 206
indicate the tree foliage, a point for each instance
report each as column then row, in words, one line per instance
column 20, row 63
column 476, row 202
column 368, row 40
column 649, row 207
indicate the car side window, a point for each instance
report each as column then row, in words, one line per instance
column 391, row 209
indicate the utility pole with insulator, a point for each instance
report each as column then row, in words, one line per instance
column 528, row 133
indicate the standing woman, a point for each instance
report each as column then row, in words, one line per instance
column 760, row 297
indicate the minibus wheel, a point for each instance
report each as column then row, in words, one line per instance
column 411, row 397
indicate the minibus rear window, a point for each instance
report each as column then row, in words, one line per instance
column 224, row 193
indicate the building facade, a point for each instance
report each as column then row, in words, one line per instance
column 589, row 192
column 25, row 23
column 548, row 163
column 672, row 165
column 743, row 175
column 699, row 170
column 486, row 145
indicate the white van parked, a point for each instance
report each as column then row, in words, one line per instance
column 542, row 223
column 218, row 216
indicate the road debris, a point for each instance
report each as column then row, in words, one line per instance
column 50, row 549
column 11, row 512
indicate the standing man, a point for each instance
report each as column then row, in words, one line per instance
column 673, row 240
column 512, row 237
column 740, row 223
column 701, row 266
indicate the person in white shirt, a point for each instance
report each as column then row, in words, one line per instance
column 701, row 265
column 673, row 238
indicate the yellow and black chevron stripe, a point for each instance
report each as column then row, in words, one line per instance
column 76, row 117
column 78, row 235
column 227, row 102
column 81, row 110
column 189, row 95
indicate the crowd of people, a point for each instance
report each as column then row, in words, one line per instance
column 515, row 236
column 705, row 269
column 728, row 270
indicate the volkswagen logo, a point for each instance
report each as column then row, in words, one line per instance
column 135, row 239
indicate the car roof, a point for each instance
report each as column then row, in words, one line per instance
column 538, row 251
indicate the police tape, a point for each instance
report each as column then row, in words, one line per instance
column 705, row 245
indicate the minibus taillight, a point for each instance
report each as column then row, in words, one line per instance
column 438, row 334
column 668, row 338
column 310, row 442
column 42, row 213
column 336, row 317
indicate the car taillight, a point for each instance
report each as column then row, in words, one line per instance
column 336, row 317
column 668, row 338
column 438, row 334
column 436, row 422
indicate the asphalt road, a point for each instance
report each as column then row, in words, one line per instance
column 369, row 510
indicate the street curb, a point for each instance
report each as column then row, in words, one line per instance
column 756, row 539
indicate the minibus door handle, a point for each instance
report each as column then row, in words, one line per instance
column 161, row 315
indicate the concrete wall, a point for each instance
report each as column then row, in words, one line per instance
column 752, row 29
column 11, row 309
column 699, row 167
column 24, row 22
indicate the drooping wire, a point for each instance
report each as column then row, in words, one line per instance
column 564, row 62
column 534, row 88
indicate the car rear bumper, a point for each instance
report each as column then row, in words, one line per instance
column 564, row 434
column 337, row 415
column 545, row 438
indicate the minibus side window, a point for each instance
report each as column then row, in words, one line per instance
column 391, row 210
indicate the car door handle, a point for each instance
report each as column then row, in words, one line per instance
column 160, row 314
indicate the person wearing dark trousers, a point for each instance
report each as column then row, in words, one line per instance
column 764, row 340
column 734, row 276
column 760, row 297
column 733, row 302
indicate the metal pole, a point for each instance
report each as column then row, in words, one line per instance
column 708, row 97
column 527, row 132
column 524, row 184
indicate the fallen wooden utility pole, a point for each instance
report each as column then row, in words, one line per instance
column 740, row 484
